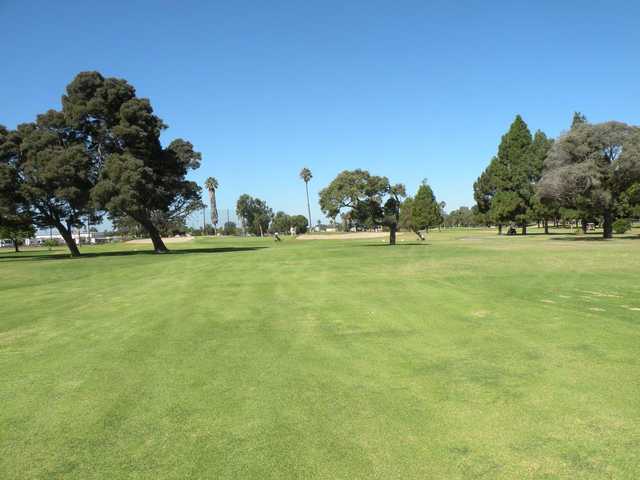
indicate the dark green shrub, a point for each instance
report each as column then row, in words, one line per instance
column 622, row 225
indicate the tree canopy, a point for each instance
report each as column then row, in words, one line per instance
column 282, row 223
column 53, row 172
column 367, row 199
column 255, row 214
column 16, row 221
column 591, row 167
column 505, row 191
column 422, row 211
column 139, row 177
column 102, row 152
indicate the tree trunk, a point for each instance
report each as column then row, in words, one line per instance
column 392, row 235
column 499, row 229
column 607, row 231
column 68, row 239
column 214, row 211
column 156, row 238
column 524, row 228
column 306, row 186
column 583, row 223
column 15, row 245
column 154, row 234
column 546, row 226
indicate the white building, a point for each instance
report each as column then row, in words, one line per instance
column 79, row 237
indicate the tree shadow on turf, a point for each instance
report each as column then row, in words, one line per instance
column 541, row 234
column 403, row 244
column 593, row 238
column 15, row 257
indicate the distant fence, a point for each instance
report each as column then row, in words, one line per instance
column 202, row 217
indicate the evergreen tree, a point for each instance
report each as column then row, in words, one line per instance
column 136, row 176
column 16, row 221
column 55, row 174
column 425, row 212
column 578, row 119
column 512, row 173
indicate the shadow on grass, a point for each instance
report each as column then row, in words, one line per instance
column 542, row 234
column 593, row 238
column 15, row 257
column 403, row 244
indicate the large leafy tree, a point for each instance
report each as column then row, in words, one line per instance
column 593, row 165
column 368, row 199
column 16, row 222
column 282, row 223
column 256, row 215
column 54, row 174
column 138, row 177
column 461, row 217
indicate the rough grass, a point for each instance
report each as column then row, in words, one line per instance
column 469, row 356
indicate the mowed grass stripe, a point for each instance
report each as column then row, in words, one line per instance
column 242, row 358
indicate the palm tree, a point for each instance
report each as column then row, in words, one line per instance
column 211, row 185
column 305, row 174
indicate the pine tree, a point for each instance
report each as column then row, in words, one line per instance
column 511, row 173
column 425, row 210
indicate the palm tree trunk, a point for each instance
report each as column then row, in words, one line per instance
column 214, row 210
column 306, row 186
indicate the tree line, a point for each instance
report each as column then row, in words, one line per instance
column 258, row 218
column 589, row 174
column 99, row 155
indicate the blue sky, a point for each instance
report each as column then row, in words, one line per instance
column 406, row 89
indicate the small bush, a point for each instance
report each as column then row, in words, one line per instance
column 622, row 225
column 50, row 243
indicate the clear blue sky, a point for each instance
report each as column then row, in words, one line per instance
column 407, row 89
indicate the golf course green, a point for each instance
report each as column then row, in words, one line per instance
column 467, row 356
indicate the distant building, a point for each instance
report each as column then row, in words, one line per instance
column 81, row 238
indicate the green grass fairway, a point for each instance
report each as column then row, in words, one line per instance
column 470, row 356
